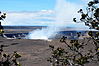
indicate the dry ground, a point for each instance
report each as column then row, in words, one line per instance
column 34, row 52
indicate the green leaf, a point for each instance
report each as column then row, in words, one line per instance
column 74, row 19
column 90, row 33
column 5, row 55
column 90, row 3
column 17, row 55
column 51, row 46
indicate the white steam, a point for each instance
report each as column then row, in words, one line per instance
column 64, row 12
column 44, row 33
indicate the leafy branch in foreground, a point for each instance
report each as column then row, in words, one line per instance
column 2, row 17
column 80, row 52
column 8, row 59
column 76, row 52
column 91, row 17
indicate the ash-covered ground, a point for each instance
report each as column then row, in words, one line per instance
column 36, row 52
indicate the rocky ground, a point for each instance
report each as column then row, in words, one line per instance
column 34, row 52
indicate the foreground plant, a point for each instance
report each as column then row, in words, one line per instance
column 76, row 53
column 80, row 52
column 2, row 17
column 8, row 59
column 91, row 16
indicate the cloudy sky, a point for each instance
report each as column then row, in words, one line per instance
column 38, row 12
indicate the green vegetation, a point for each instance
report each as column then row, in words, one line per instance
column 76, row 53
column 8, row 59
column 80, row 52
column 91, row 16
column 2, row 17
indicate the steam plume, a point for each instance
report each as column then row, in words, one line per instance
column 62, row 20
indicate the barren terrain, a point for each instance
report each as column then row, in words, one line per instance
column 34, row 52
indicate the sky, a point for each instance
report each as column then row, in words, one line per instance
column 38, row 12
column 26, row 5
column 31, row 5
